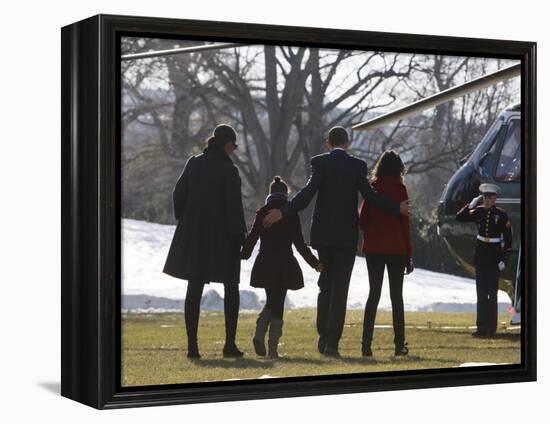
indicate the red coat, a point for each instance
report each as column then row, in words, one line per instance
column 275, row 265
column 382, row 232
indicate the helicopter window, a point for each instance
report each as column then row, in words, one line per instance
column 489, row 153
column 509, row 164
column 487, row 143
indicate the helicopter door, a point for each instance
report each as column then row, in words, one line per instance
column 484, row 155
column 509, row 164
column 507, row 174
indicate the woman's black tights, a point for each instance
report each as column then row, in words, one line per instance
column 231, row 302
column 275, row 300
column 396, row 268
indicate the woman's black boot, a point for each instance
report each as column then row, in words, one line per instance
column 275, row 333
column 366, row 350
column 401, row 349
column 193, row 350
column 262, row 323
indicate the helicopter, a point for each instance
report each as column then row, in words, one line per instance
column 496, row 160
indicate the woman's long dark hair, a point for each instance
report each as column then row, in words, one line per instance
column 389, row 164
column 221, row 135
column 215, row 143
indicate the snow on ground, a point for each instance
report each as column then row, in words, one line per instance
column 145, row 288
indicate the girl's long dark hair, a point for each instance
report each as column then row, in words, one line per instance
column 389, row 164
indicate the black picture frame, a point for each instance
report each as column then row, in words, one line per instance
column 90, row 177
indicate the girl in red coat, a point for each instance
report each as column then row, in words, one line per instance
column 386, row 244
column 275, row 269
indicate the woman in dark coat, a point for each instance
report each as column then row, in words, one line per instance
column 386, row 244
column 276, row 269
column 209, row 235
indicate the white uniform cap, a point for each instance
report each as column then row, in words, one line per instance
column 489, row 189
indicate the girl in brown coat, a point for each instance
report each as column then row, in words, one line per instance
column 275, row 269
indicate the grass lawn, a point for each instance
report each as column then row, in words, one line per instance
column 154, row 347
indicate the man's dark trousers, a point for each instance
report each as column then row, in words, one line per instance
column 333, row 293
column 487, row 290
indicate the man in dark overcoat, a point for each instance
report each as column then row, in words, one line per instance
column 209, row 234
column 336, row 177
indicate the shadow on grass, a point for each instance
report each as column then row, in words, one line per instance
column 393, row 360
column 481, row 346
column 300, row 360
column 499, row 336
column 156, row 349
column 259, row 363
column 290, row 360
column 233, row 363
column 507, row 336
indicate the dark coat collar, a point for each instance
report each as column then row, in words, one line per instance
column 338, row 152
column 216, row 152
column 275, row 196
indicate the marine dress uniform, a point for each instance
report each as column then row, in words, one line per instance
column 493, row 245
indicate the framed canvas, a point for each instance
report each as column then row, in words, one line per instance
column 255, row 211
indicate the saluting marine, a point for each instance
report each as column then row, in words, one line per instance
column 493, row 245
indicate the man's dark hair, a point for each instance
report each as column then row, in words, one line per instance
column 338, row 136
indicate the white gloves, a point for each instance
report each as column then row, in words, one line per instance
column 475, row 201
column 501, row 266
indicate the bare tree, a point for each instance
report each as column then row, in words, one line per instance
column 442, row 137
column 285, row 113
column 434, row 143
column 282, row 101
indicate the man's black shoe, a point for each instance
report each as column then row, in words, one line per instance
column 479, row 334
column 366, row 351
column 193, row 355
column 232, row 352
column 401, row 350
column 193, row 351
column 321, row 345
column 332, row 352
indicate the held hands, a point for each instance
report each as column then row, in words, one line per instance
column 404, row 208
column 475, row 201
column 273, row 216
column 501, row 265
column 319, row 267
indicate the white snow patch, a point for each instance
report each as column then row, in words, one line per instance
column 146, row 289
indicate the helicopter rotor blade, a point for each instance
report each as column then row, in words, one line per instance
column 181, row 50
column 441, row 97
